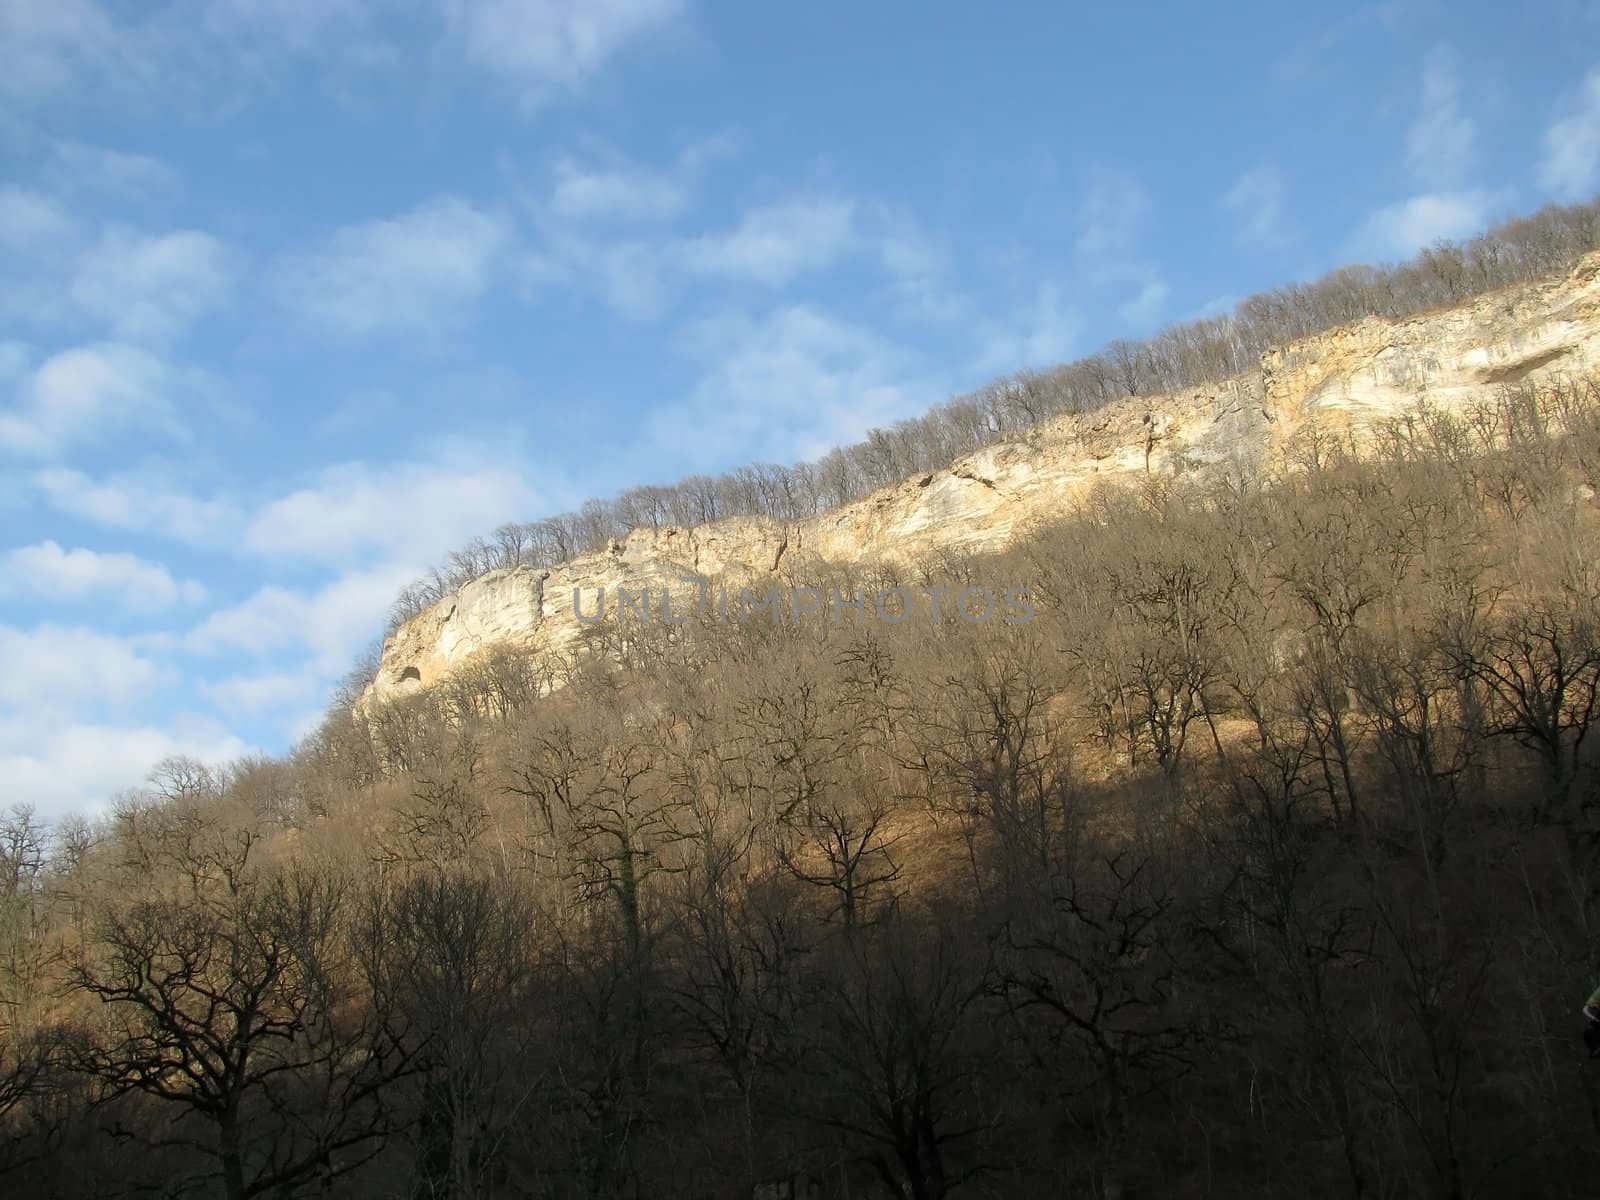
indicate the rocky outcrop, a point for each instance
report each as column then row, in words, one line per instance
column 1347, row 382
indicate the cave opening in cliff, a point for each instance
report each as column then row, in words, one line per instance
column 409, row 673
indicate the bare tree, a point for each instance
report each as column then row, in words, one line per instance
column 233, row 1008
column 454, row 952
column 890, row 1053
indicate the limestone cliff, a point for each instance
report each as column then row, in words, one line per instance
column 1346, row 382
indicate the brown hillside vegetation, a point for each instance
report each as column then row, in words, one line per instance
column 1265, row 860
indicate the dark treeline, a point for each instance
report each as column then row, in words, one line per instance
column 1264, row 861
column 1185, row 355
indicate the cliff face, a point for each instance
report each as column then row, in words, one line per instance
column 1347, row 383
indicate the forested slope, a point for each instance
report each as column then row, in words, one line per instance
column 1263, row 861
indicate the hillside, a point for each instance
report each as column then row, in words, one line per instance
column 664, row 600
column 1345, row 385
column 1264, row 860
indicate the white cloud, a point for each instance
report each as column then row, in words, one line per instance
column 1041, row 335
column 14, row 360
column 632, row 276
column 1115, row 205
column 1441, row 148
column 414, row 273
column 44, row 47
column 604, row 185
column 410, row 510
column 63, row 766
column 1256, row 202
column 770, row 246
column 54, row 665
column 1358, row 25
column 66, row 694
column 152, row 286
column 917, row 266
column 773, row 245
column 136, row 52
column 271, row 691
column 76, row 166
column 789, row 385
column 84, row 395
column 294, row 27
column 906, row 252
column 1570, row 168
column 551, row 46
column 30, row 220
column 1111, row 227
column 191, row 52
column 134, row 285
column 617, row 191
column 51, row 572
column 140, row 505
column 330, row 625
column 271, row 619
column 1400, row 230
column 1442, row 144
column 1144, row 308
column 1217, row 306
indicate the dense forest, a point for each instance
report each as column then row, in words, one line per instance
column 1264, row 861
column 1183, row 355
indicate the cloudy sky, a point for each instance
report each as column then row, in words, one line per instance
column 296, row 295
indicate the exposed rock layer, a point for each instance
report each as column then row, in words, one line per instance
column 1346, row 382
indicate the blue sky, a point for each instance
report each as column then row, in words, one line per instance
column 297, row 295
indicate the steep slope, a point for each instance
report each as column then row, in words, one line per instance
column 1346, row 383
